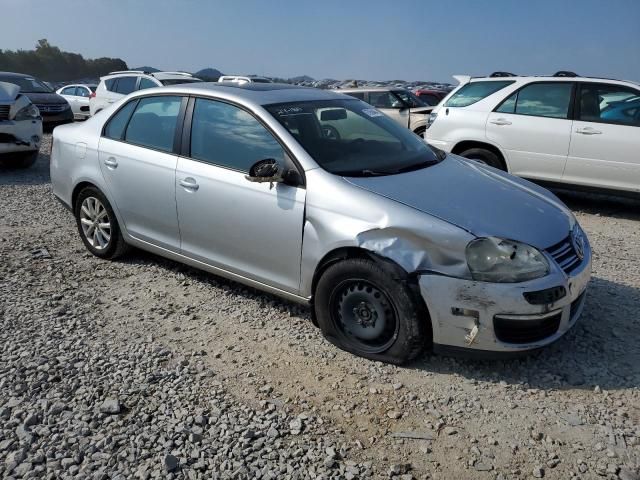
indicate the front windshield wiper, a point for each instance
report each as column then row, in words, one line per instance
column 365, row 172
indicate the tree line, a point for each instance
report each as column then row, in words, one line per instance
column 49, row 63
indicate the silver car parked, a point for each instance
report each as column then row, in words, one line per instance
column 320, row 198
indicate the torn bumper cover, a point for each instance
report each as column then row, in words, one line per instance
column 480, row 317
column 22, row 136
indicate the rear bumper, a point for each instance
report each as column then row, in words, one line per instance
column 22, row 136
column 506, row 321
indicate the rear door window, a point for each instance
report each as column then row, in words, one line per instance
column 541, row 99
column 110, row 84
column 82, row 92
column 146, row 83
column 116, row 125
column 153, row 124
column 475, row 91
column 608, row 103
column 126, row 85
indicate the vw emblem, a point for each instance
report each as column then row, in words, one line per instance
column 577, row 239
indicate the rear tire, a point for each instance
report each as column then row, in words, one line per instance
column 485, row 156
column 20, row 160
column 97, row 225
column 363, row 307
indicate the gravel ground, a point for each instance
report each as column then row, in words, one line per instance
column 144, row 368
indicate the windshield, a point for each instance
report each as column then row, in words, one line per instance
column 351, row 138
column 177, row 81
column 27, row 84
column 409, row 98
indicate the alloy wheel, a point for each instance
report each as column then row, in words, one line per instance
column 95, row 222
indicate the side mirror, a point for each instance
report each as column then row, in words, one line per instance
column 265, row 171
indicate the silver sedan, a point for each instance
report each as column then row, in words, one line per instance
column 321, row 199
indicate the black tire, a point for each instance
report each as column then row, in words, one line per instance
column 21, row 160
column 484, row 156
column 404, row 329
column 115, row 246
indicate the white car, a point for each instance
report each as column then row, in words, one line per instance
column 20, row 128
column 117, row 85
column 562, row 129
column 78, row 97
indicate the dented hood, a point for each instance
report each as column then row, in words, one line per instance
column 8, row 92
column 481, row 200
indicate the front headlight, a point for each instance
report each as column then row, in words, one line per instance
column 30, row 112
column 493, row 259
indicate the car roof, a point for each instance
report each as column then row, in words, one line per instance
column 17, row 75
column 549, row 78
column 367, row 89
column 254, row 93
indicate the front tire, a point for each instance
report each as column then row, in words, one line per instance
column 98, row 225
column 366, row 309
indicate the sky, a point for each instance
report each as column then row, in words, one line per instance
column 341, row 39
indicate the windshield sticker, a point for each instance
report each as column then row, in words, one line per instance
column 289, row 110
column 372, row 112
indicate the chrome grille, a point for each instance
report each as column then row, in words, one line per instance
column 4, row 112
column 565, row 255
column 51, row 108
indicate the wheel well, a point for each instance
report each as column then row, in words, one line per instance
column 76, row 191
column 421, row 129
column 345, row 253
column 466, row 145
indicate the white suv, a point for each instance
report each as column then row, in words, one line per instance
column 116, row 85
column 561, row 129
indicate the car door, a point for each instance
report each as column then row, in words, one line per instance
column 390, row 105
column 533, row 127
column 250, row 229
column 605, row 139
column 138, row 162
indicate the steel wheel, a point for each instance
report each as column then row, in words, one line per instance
column 95, row 223
column 363, row 314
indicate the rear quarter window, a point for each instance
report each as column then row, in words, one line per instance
column 475, row 91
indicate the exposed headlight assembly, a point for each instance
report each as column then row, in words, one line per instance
column 497, row 260
column 30, row 112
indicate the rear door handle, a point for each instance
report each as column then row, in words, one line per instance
column 500, row 121
column 111, row 163
column 189, row 183
column 588, row 131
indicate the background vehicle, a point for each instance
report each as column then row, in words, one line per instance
column 244, row 79
column 117, row 85
column 243, row 181
column 78, row 97
column 20, row 128
column 431, row 97
column 54, row 109
column 564, row 129
column 398, row 103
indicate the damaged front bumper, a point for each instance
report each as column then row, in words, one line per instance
column 22, row 136
column 477, row 318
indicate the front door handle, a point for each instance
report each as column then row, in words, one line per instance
column 500, row 121
column 111, row 163
column 588, row 131
column 189, row 183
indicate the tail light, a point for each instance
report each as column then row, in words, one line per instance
column 92, row 95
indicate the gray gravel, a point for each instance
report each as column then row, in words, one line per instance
column 144, row 368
